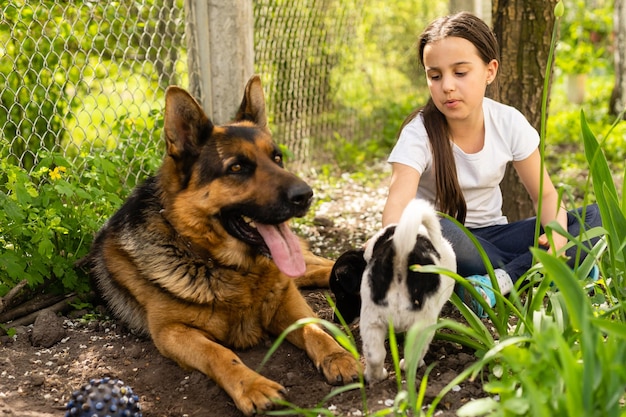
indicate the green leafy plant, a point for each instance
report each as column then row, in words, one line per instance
column 613, row 212
column 571, row 364
column 50, row 213
column 48, row 216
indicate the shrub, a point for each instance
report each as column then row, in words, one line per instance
column 48, row 217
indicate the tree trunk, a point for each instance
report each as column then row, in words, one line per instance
column 524, row 30
column 618, row 97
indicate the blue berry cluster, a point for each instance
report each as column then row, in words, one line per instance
column 104, row 397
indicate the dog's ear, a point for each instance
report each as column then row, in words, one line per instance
column 186, row 126
column 252, row 106
column 421, row 285
column 348, row 271
column 345, row 283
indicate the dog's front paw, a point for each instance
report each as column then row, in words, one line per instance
column 340, row 368
column 258, row 395
column 375, row 373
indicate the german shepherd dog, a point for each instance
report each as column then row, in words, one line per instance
column 201, row 257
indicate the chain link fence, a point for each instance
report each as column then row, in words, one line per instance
column 80, row 77
column 298, row 45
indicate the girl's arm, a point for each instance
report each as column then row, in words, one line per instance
column 402, row 189
column 529, row 172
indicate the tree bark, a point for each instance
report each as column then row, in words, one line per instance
column 6, row 301
column 35, row 304
column 524, row 30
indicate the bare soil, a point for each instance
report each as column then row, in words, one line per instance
column 38, row 382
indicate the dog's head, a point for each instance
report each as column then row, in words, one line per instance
column 230, row 181
column 345, row 283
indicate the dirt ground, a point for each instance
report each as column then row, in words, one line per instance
column 38, row 382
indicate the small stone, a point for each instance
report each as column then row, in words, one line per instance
column 134, row 352
column 323, row 221
column 37, row 380
column 47, row 330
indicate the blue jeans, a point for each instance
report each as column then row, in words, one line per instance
column 507, row 245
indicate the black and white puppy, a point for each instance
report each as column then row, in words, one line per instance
column 389, row 290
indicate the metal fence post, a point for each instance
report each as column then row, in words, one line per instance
column 221, row 53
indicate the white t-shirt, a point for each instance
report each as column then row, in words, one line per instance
column 508, row 137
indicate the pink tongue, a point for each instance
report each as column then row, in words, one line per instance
column 284, row 247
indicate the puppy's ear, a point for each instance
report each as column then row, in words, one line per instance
column 348, row 271
column 345, row 283
column 421, row 285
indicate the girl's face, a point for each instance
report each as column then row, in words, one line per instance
column 457, row 77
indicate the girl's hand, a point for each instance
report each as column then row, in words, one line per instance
column 558, row 240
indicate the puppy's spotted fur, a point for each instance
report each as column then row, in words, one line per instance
column 389, row 290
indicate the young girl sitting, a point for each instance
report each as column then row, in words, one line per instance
column 454, row 152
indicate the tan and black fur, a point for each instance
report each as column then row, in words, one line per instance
column 183, row 261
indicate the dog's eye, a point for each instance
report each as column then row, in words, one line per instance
column 278, row 159
column 235, row 168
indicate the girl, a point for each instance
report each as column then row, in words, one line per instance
column 454, row 152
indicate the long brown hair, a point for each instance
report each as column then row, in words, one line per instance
column 449, row 197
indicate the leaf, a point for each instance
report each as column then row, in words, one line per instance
column 22, row 195
column 613, row 218
column 478, row 407
column 45, row 248
column 13, row 210
column 15, row 266
column 81, row 193
column 517, row 406
column 575, row 298
column 614, row 328
column 63, row 188
column 601, row 174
